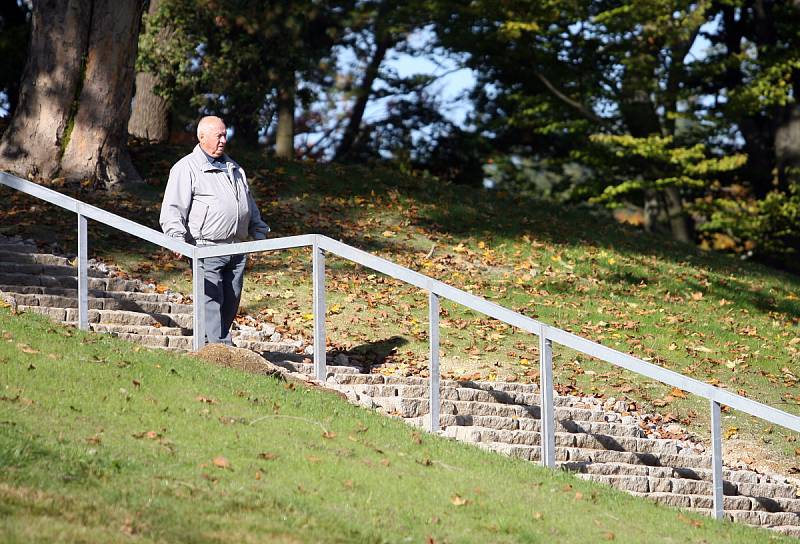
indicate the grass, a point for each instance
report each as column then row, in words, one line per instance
column 714, row 317
column 101, row 441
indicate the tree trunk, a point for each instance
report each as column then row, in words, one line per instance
column 284, row 142
column 362, row 97
column 33, row 143
column 149, row 113
column 787, row 140
column 97, row 148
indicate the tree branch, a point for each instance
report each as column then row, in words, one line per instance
column 583, row 110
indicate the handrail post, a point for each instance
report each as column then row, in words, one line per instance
column 83, row 273
column 547, row 412
column 716, row 460
column 198, row 304
column 318, row 272
column 433, row 340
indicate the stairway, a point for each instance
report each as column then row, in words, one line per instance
column 595, row 438
column 47, row 284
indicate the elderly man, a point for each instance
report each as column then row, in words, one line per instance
column 207, row 202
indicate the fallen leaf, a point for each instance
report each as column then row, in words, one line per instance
column 221, row 462
column 206, row 400
column 538, row 515
column 675, row 392
column 267, row 456
column 458, row 500
column 329, row 434
column 730, row 433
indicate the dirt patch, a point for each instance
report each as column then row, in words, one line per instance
column 253, row 363
column 240, row 359
column 745, row 454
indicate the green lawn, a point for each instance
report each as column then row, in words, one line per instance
column 714, row 317
column 103, row 441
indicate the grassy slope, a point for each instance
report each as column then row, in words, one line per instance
column 102, row 441
column 732, row 323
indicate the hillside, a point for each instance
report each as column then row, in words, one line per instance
column 101, row 440
column 716, row 318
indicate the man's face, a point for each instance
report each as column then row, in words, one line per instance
column 213, row 139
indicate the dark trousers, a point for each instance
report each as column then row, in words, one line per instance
column 224, row 277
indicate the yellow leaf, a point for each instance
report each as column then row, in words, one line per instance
column 389, row 234
column 612, row 261
column 458, row 500
column 697, row 295
column 730, row 433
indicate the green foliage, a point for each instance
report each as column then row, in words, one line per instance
column 628, row 166
column 233, row 59
column 768, row 227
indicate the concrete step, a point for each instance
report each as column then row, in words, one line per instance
column 121, row 317
column 566, row 439
column 534, row 425
column 70, row 282
column 621, row 469
column 128, row 304
column 584, row 455
column 30, row 256
column 135, row 296
column 46, row 269
column 685, row 486
column 17, row 245
column 415, row 407
column 458, row 392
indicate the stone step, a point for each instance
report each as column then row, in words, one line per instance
column 46, row 269
column 411, row 407
column 534, row 425
column 583, row 455
column 568, row 440
column 31, row 257
column 121, row 317
column 470, row 394
column 621, row 469
column 741, row 509
column 685, row 486
column 141, row 330
column 380, row 379
column 128, row 304
column 143, row 296
column 17, row 246
column 70, row 282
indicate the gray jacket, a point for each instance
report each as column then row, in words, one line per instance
column 205, row 205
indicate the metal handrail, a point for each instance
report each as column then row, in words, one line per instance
column 436, row 290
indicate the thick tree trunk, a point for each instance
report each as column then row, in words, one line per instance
column 284, row 140
column 33, row 143
column 149, row 112
column 97, row 148
column 787, row 140
column 362, row 98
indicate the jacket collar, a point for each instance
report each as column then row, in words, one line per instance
column 205, row 165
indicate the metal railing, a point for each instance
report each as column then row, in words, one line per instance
column 320, row 244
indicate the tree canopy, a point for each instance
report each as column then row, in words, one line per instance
column 686, row 111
